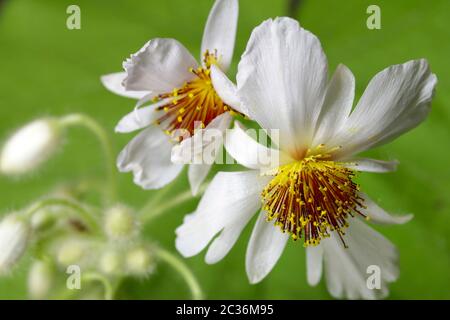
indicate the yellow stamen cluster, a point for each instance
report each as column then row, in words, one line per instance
column 194, row 105
column 312, row 197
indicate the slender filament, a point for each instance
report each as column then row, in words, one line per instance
column 194, row 105
column 311, row 198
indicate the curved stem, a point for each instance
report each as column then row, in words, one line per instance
column 84, row 214
column 94, row 276
column 154, row 201
column 150, row 211
column 106, row 143
column 183, row 270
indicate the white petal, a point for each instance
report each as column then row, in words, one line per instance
column 314, row 258
column 346, row 268
column 148, row 157
column 140, row 117
column 229, row 198
column 249, row 153
column 266, row 244
column 113, row 82
column 220, row 31
column 226, row 90
column 223, row 243
column 197, row 174
column 378, row 215
column 337, row 105
column 282, row 79
column 396, row 100
column 160, row 66
column 204, row 145
column 371, row 165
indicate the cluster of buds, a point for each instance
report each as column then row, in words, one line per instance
column 114, row 249
column 69, row 237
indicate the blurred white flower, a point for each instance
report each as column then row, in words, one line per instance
column 14, row 234
column 182, row 99
column 283, row 82
column 30, row 146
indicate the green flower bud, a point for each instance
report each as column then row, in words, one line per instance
column 111, row 262
column 120, row 222
column 139, row 261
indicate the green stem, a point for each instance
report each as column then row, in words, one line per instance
column 94, row 276
column 150, row 211
column 84, row 214
column 155, row 200
column 183, row 270
column 106, row 143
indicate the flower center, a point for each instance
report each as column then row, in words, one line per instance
column 194, row 105
column 312, row 197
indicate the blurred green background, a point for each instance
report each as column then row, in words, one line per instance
column 47, row 69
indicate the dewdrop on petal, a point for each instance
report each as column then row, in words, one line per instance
column 14, row 235
column 120, row 222
column 30, row 146
column 40, row 279
column 139, row 261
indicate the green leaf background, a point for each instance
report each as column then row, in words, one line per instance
column 47, row 69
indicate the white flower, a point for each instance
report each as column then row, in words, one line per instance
column 282, row 81
column 14, row 235
column 30, row 146
column 181, row 98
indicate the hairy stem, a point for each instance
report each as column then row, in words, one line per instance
column 94, row 127
column 94, row 276
column 151, row 210
column 86, row 216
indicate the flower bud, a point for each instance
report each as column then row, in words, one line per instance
column 139, row 261
column 30, row 146
column 40, row 280
column 120, row 222
column 111, row 262
column 72, row 252
column 43, row 219
column 14, row 235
